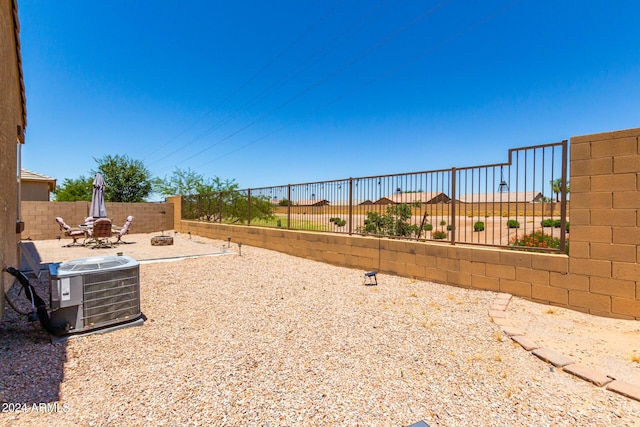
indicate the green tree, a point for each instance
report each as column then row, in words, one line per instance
column 556, row 187
column 394, row 222
column 213, row 199
column 181, row 182
column 216, row 196
column 235, row 207
column 126, row 180
column 74, row 190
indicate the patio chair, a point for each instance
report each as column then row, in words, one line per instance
column 75, row 234
column 100, row 233
column 124, row 230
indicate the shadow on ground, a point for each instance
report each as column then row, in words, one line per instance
column 20, row 379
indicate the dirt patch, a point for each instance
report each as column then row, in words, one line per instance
column 611, row 346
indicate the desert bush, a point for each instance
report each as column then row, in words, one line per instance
column 394, row 222
column 439, row 235
column 547, row 222
column 512, row 223
column 557, row 223
column 478, row 226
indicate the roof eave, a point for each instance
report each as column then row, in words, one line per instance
column 16, row 32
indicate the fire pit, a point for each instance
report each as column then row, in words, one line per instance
column 161, row 241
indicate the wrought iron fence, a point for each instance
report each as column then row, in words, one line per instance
column 519, row 204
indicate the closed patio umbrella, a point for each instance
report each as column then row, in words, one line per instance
column 98, row 208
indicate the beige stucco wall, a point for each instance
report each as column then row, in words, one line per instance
column 601, row 275
column 34, row 191
column 11, row 116
column 40, row 224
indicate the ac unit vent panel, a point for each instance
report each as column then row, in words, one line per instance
column 97, row 292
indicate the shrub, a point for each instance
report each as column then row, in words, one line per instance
column 512, row 223
column 427, row 226
column 478, row 226
column 394, row 222
column 279, row 223
column 340, row 222
column 538, row 239
column 547, row 222
column 557, row 223
column 449, row 227
column 443, row 222
column 439, row 235
column 332, row 219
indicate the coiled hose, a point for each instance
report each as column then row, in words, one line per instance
column 38, row 304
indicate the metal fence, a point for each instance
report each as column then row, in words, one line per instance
column 520, row 204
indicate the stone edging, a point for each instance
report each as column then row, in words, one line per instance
column 498, row 313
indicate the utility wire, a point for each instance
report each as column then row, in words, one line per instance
column 250, row 79
column 327, row 77
column 318, row 54
column 381, row 76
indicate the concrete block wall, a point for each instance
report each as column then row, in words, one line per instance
column 535, row 276
column 605, row 224
column 601, row 275
column 40, row 224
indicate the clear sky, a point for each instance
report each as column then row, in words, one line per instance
column 293, row 91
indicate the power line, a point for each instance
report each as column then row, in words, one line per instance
column 381, row 76
column 319, row 53
column 327, row 77
column 248, row 81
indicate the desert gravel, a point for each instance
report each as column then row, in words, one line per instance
column 267, row 339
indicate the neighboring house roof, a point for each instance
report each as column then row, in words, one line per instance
column 312, row 202
column 520, row 196
column 424, row 197
column 30, row 176
column 355, row 202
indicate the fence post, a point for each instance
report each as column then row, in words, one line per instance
column 248, row 206
column 563, row 202
column 289, row 206
column 350, row 205
column 453, row 206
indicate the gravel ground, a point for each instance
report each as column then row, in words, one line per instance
column 267, row 339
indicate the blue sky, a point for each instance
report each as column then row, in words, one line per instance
column 279, row 92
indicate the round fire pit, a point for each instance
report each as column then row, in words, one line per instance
column 162, row 241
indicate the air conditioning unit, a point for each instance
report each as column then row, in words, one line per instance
column 96, row 294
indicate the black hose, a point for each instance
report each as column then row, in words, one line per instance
column 39, row 305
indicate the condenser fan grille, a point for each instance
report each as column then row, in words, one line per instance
column 95, row 263
column 110, row 297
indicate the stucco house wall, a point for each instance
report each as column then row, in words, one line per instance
column 12, row 125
